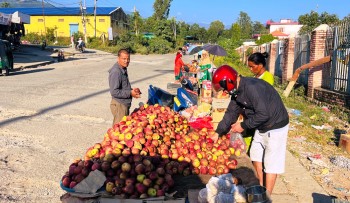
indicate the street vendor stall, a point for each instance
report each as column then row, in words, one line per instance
column 154, row 154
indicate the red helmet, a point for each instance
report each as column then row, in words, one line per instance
column 225, row 77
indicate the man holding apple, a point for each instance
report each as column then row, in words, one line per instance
column 120, row 88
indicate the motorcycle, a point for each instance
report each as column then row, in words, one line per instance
column 80, row 47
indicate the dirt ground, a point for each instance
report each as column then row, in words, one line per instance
column 333, row 176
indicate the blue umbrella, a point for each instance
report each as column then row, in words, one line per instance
column 195, row 50
column 191, row 47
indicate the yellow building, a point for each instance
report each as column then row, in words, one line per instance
column 66, row 21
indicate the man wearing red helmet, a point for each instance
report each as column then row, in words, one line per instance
column 265, row 112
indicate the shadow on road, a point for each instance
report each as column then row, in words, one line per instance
column 31, row 54
column 58, row 106
column 26, row 71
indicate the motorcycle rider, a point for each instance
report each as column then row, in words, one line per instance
column 81, row 44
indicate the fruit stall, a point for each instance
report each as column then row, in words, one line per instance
column 160, row 153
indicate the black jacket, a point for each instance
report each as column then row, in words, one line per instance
column 261, row 105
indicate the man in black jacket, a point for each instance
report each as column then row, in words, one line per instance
column 265, row 112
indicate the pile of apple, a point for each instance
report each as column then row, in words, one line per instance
column 130, row 176
column 158, row 135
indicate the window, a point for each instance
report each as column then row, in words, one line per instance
column 40, row 20
column 281, row 29
column 101, row 20
column 61, row 20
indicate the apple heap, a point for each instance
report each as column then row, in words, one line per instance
column 152, row 144
column 205, row 156
column 130, row 176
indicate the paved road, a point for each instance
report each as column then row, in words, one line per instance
column 51, row 114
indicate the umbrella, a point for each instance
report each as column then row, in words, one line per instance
column 215, row 49
column 196, row 50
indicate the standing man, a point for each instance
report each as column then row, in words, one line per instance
column 120, row 88
column 265, row 112
column 72, row 41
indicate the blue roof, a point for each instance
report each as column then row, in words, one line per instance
column 59, row 11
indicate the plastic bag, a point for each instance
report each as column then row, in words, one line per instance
column 202, row 122
column 216, row 185
column 237, row 143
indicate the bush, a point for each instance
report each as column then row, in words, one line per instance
column 159, row 46
column 33, row 38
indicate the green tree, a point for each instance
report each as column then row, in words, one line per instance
column 236, row 32
column 245, row 23
column 137, row 22
column 259, row 28
column 197, row 31
column 5, row 4
column 215, row 30
column 312, row 20
column 265, row 39
column 161, row 9
column 163, row 30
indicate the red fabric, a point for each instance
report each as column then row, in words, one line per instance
column 178, row 64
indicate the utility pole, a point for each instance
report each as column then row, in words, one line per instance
column 135, row 22
column 95, row 2
column 42, row 4
column 83, row 9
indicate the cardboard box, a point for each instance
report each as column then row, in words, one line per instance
column 205, row 93
column 206, row 84
column 220, row 103
column 215, row 125
column 217, row 115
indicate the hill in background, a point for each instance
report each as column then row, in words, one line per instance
column 24, row 3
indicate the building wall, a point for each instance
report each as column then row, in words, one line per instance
column 62, row 25
column 287, row 29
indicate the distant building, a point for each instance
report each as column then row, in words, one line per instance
column 68, row 20
column 284, row 28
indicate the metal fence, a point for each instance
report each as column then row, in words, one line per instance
column 301, row 57
column 336, row 74
column 279, row 59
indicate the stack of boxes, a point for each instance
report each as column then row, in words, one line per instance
column 219, row 105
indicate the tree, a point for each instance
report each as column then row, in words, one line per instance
column 161, row 9
column 259, row 28
column 137, row 22
column 215, row 30
column 5, row 5
column 313, row 19
column 163, row 30
column 245, row 23
column 265, row 39
column 236, row 37
column 196, row 31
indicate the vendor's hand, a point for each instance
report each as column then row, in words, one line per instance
column 135, row 93
column 214, row 137
column 237, row 128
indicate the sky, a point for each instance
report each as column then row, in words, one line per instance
column 226, row 11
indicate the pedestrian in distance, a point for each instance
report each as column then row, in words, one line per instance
column 179, row 65
column 120, row 87
column 265, row 112
column 72, row 41
column 257, row 64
